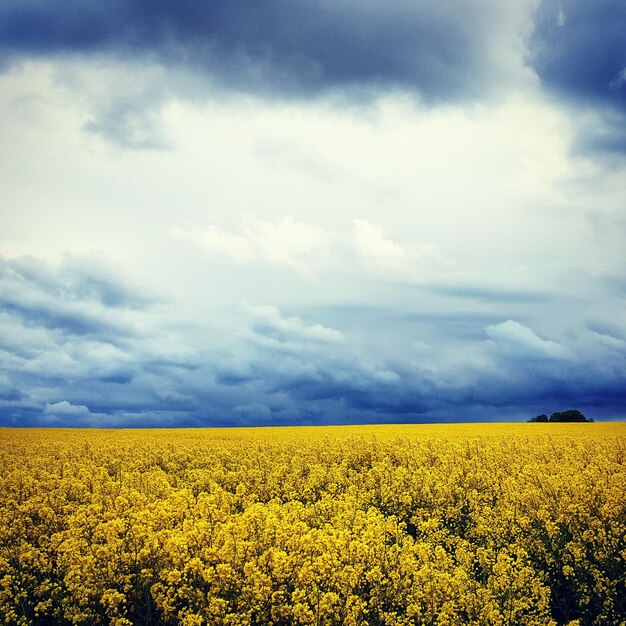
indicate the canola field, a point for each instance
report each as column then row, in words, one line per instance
column 499, row 525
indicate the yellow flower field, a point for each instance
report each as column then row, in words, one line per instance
column 499, row 524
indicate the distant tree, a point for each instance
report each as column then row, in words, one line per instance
column 571, row 415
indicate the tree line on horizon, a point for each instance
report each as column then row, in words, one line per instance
column 571, row 415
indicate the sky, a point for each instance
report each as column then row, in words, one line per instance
column 281, row 212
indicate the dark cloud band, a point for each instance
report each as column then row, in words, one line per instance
column 441, row 51
column 289, row 48
column 281, row 369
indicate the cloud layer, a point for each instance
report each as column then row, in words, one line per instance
column 232, row 213
column 69, row 368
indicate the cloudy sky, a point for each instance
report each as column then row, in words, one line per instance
column 311, row 211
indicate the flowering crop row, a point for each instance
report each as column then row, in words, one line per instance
column 502, row 525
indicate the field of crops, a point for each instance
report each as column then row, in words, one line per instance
column 509, row 524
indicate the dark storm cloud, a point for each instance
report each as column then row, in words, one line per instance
column 579, row 52
column 508, row 371
column 586, row 370
column 579, row 49
column 278, row 47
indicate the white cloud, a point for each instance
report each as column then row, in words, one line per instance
column 418, row 261
column 268, row 321
column 517, row 340
column 65, row 413
column 371, row 244
column 289, row 241
column 309, row 249
column 283, row 241
column 64, row 408
column 235, row 248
